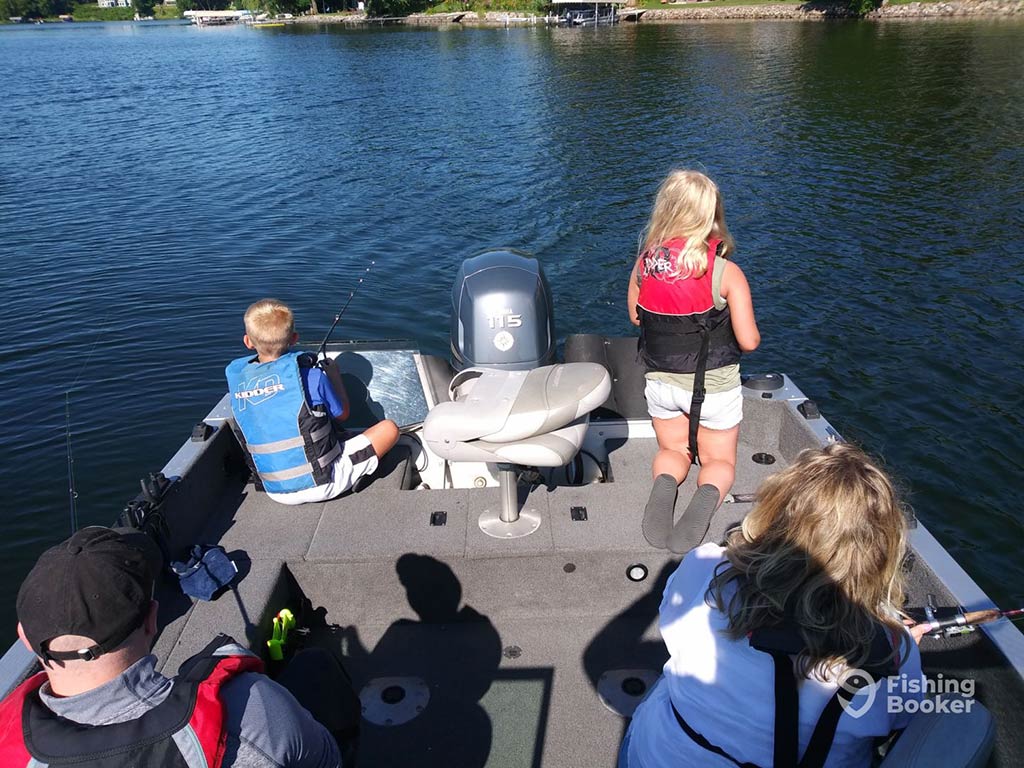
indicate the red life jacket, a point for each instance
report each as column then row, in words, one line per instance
column 675, row 313
column 192, row 711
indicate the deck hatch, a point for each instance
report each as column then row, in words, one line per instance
column 394, row 700
column 621, row 690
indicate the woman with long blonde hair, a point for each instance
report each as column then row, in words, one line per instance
column 696, row 317
column 810, row 589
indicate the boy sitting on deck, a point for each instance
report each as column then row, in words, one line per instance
column 286, row 407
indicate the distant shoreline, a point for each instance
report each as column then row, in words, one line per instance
column 838, row 10
column 696, row 12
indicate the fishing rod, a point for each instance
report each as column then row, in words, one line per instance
column 947, row 622
column 72, row 493
column 321, row 352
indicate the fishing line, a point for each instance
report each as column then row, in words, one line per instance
column 72, row 493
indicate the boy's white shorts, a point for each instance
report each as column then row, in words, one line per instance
column 357, row 460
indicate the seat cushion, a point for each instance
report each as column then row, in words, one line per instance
column 951, row 739
column 505, row 407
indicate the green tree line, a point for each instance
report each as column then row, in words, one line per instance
column 49, row 9
column 34, row 9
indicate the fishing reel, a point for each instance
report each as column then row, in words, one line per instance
column 145, row 512
column 944, row 621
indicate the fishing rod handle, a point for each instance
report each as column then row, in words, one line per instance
column 982, row 617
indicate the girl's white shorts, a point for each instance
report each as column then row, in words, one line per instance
column 721, row 410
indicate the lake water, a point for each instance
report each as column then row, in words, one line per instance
column 155, row 179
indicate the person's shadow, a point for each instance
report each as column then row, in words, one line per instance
column 621, row 644
column 356, row 374
column 454, row 650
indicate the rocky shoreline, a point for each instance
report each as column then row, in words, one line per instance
column 815, row 11
column 994, row 8
column 810, row 11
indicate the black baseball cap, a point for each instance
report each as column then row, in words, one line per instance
column 97, row 584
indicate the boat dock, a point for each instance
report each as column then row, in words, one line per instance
column 217, row 18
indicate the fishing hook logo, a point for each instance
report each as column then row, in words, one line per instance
column 851, row 683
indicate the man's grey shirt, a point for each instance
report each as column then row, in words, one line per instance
column 267, row 728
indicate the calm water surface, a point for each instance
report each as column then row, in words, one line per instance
column 156, row 179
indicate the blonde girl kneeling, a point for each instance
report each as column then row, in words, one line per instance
column 696, row 318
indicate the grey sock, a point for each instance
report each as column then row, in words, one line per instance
column 658, row 513
column 693, row 525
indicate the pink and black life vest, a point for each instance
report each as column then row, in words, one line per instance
column 678, row 314
column 188, row 722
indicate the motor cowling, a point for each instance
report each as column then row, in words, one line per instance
column 502, row 313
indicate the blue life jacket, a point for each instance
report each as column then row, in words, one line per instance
column 292, row 446
column 781, row 643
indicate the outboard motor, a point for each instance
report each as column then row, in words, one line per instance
column 502, row 315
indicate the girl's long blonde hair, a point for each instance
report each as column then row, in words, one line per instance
column 688, row 205
column 822, row 549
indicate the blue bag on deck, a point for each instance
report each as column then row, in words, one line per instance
column 207, row 570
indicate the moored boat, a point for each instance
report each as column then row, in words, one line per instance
column 578, row 13
column 203, row 18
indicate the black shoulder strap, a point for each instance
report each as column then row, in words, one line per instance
column 698, row 380
column 825, row 729
column 698, row 391
column 787, row 711
column 783, row 641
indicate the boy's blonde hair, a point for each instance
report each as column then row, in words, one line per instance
column 270, row 326
column 688, row 205
column 823, row 549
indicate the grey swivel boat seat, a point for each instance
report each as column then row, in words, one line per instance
column 535, row 418
column 956, row 739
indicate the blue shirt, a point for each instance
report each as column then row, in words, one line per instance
column 319, row 391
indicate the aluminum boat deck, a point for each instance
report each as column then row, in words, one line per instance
column 504, row 652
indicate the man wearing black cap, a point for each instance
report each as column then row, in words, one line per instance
column 87, row 611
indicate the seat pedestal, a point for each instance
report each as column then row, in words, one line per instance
column 509, row 522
